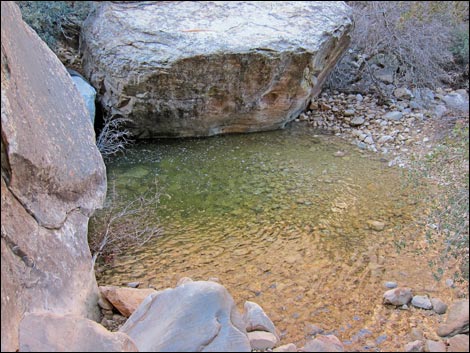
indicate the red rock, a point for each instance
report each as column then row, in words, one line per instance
column 125, row 299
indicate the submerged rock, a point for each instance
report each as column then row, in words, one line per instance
column 398, row 296
column 327, row 343
column 438, row 306
column 207, row 68
column 458, row 343
column 421, row 301
column 415, row 346
column 457, row 320
column 435, row 346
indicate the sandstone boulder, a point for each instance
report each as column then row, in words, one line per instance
column 193, row 317
column 458, row 343
column 53, row 177
column 457, row 320
column 206, row 68
column 125, row 300
column 47, row 332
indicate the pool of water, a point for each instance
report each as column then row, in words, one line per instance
column 283, row 219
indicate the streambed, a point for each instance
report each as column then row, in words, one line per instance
column 289, row 219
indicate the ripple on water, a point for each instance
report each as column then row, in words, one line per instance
column 279, row 219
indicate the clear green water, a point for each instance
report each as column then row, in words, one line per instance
column 280, row 220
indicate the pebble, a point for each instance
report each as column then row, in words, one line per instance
column 395, row 115
column 339, row 154
column 376, row 225
column 312, row 329
column 133, row 284
column 391, row 285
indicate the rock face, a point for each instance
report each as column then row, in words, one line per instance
column 53, row 177
column 206, row 68
column 46, row 332
column 193, row 317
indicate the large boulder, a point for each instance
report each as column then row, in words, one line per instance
column 204, row 68
column 47, row 332
column 53, row 177
column 193, row 317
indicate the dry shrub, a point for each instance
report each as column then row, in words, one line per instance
column 122, row 224
column 418, row 39
column 114, row 137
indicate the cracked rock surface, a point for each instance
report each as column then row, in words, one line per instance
column 53, row 177
column 209, row 67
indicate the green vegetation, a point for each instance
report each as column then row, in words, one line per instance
column 55, row 21
column 460, row 45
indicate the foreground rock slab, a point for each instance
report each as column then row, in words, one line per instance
column 207, row 68
column 47, row 332
column 53, row 177
column 193, row 317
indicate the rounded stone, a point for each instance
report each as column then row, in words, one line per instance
column 421, row 301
